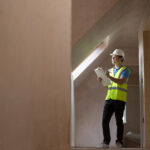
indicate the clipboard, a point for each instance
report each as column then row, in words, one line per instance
column 100, row 73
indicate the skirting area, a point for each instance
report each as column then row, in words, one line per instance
column 108, row 148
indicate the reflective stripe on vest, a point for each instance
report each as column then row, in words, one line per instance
column 117, row 91
column 118, row 88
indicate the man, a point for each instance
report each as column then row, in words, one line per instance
column 116, row 98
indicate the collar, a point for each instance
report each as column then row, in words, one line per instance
column 117, row 68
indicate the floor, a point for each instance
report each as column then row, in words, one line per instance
column 109, row 148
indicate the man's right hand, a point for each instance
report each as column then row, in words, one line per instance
column 99, row 79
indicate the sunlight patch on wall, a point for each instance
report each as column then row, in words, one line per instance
column 90, row 59
column 81, row 68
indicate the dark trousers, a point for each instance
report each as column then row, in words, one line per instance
column 110, row 107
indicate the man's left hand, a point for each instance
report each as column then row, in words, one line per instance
column 107, row 74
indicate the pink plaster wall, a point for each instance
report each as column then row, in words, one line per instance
column 35, row 44
column 85, row 13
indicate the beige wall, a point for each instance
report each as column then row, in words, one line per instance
column 86, row 13
column 146, row 45
column 144, row 38
column 34, row 69
column 90, row 98
column 121, row 22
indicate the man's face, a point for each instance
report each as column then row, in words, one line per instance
column 115, row 59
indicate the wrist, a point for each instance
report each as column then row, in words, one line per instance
column 109, row 76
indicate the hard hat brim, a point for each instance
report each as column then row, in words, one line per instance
column 116, row 54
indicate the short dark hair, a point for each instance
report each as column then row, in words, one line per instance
column 121, row 57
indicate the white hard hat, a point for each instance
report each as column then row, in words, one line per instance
column 118, row 52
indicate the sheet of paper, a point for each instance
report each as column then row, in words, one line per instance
column 100, row 73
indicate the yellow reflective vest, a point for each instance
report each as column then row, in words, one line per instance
column 117, row 91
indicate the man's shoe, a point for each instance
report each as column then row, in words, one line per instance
column 103, row 145
column 119, row 145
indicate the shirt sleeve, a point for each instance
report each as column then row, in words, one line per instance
column 125, row 74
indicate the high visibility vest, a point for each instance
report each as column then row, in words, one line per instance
column 117, row 91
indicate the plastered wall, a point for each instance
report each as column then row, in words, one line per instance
column 90, row 98
column 35, row 43
column 85, row 14
column 144, row 38
column 146, row 46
